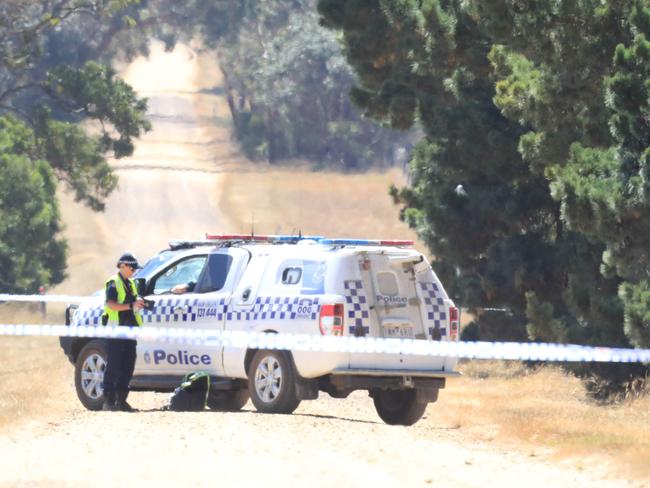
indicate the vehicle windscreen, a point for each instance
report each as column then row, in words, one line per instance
column 153, row 263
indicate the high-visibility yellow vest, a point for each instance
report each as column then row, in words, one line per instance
column 114, row 315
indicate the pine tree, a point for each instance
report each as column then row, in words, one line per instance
column 507, row 95
column 605, row 192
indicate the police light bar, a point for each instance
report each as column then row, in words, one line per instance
column 366, row 242
column 260, row 238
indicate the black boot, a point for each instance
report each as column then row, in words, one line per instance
column 120, row 403
column 109, row 403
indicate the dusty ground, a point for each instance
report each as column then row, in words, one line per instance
column 483, row 432
column 325, row 443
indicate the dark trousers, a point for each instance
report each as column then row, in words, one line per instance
column 119, row 366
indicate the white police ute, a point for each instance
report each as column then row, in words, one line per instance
column 284, row 284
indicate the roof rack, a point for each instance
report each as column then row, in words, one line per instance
column 274, row 239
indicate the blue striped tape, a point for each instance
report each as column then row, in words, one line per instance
column 6, row 297
column 318, row 343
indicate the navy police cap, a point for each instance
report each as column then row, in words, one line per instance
column 129, row 259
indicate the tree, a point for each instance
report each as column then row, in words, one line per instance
column 573, row 74
column 31, row 250
column 503, row 92
column 287, row 87
column 605, row 191
column 44, row 140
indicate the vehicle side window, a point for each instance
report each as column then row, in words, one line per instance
column 291, row 276
column 180, row 273
column 306, row 275
column 214, row 274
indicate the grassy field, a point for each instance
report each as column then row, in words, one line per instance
column 545, row 409
column 549, row 411
column 35, row 378
column 286, row 200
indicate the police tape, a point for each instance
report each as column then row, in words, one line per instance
column 6, row 297
column 340, row 344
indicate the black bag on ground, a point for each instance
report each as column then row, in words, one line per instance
column 192, row 395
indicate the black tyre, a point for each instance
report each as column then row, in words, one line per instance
column 228, row 401
column 399, row 407
column 89, row 374
column 272, row 382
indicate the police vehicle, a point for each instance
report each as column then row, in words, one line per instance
column 284, row 284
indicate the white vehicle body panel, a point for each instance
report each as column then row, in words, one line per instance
column 386, row 292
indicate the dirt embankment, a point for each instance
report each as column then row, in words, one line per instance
column 506, row 431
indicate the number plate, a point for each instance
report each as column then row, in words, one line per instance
column 397, row 332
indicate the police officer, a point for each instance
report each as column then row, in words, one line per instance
column 122, row 307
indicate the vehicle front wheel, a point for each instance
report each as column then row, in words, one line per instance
column 89, row 374
column 272, row 382
column 228, row 401
column 399, row 407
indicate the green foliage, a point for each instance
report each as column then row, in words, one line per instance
column 636, row 297
column 78, row 161
column 605, row 192
column 530, row 186
column 47, row 81
column 94, row 92
column 32, row 252
column 287, row 86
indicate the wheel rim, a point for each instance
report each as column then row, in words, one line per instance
column 92, row 376
column 268, row 379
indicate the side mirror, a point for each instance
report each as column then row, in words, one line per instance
column 141, row 285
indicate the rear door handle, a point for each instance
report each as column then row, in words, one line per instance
column 180, row 309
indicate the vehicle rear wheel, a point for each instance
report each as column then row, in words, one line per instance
column 228, row 401
column 272, row 382
column 399, row 407
column 89, row 374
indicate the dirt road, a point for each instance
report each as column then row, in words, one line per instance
column 325, row 443
column 169, row 187
column 173, row 181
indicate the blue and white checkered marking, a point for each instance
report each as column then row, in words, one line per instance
column 89, row 316
column 265, row 308
column 285, row 308
column 171, row 310
column 279, row 308
column 434, row 305
column 358, row 311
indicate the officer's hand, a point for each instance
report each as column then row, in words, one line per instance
column 138, row 304
column 179, row 289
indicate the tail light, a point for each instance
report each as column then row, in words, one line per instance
column 454, row 323
column 331, row 319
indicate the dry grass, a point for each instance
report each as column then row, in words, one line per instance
column 547, row 410
column 501, row 401
column 35, row 379
column 286, row 200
